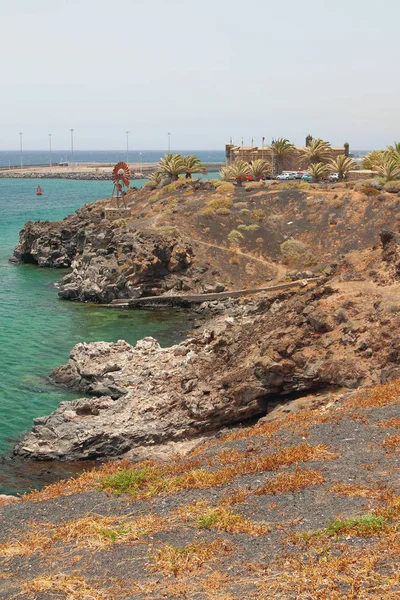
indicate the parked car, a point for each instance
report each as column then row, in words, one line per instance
column 333, row 177
column 284, row 176
column 307, row 177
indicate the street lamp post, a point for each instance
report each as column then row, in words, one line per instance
column 20, row 149
column 72, row 145
column 140, row 162
column 127, row 145
column 50, row 149
column 169, row 143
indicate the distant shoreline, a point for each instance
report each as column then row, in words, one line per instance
column 85, row 171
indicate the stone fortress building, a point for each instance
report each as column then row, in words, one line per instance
column 289, row 163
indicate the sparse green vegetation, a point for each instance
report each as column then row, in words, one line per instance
column 126, row 481
column 220, row 203
column 257, row 214
column 393, row 187
column 225, row 187
column 207, row 212
column 364, row 525
column 254, row 185
column 295, row 251
column 235, row 237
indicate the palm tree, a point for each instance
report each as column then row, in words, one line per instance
column 193, row 165
column 259, row 168
column 172, row 165
column 317, row 151
column 342, row 165
column 395, row 148
column 226, row 173
column 155, row 179
column 239, row 171
column 281, row 148
column 318, row 170
column 373, row 160
column 389, row 169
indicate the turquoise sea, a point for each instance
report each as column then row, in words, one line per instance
column 37, row 331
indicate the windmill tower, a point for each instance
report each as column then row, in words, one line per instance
column 121, row 177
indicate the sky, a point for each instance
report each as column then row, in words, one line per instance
column 203, row 71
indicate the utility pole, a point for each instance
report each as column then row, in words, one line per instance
column 72, row 145
column 20, row 149
column 127, row 145
column 169, row 143
column 50, row 147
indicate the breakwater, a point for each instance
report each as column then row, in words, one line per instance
column 86, row 172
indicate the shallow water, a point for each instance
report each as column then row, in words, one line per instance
column 37, row 331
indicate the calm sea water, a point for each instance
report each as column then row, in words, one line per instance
column 39, row 157
column 37, row 331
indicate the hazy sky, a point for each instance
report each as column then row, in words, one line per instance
column 202, row 70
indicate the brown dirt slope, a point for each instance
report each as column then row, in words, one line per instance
column 197, row 237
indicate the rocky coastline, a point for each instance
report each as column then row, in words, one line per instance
column 252, row 355
column 244, row 362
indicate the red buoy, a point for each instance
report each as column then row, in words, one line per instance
column 39, row 191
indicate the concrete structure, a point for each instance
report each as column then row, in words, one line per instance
column 290, row 163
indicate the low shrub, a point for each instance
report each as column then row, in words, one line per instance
column 225, row 188
column 393, row 187
column 244, row 211
column 235, row 237
column 254, row 185
column 168, row 231
column 240, row 205
column 258, row 214
column 223, row 211
column 369, row 190
column 253, row 227
column 220, row 203
column 207, row 212
column 295, row 251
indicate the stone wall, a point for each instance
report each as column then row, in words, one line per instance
column 112, row 214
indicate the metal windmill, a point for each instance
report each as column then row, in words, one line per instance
column 121, row 177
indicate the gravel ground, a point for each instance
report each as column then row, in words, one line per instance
column 237, row 567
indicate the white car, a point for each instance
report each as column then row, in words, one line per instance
column 284, row 176
column 333, row 177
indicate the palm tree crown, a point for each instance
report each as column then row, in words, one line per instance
column 239, row 171
column 281, row 148
column 259, row 168
column 318, row 151
column 172, row 165
column 193, row 165
column 342, row 165
column 389, row 169
column 373, row 159
column 318, row 170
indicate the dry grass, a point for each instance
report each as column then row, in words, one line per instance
column 220, row 518
column 393, row 422
column 291, row 482
column 89, row 532
column 171, row 560
column 379, row 395
column 70, row 586
column 158, row 481
column 392, row 442
column 379, row 492
column 337, row 571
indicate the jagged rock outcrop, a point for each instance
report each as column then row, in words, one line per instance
column 108, row 260
column 336, row 335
